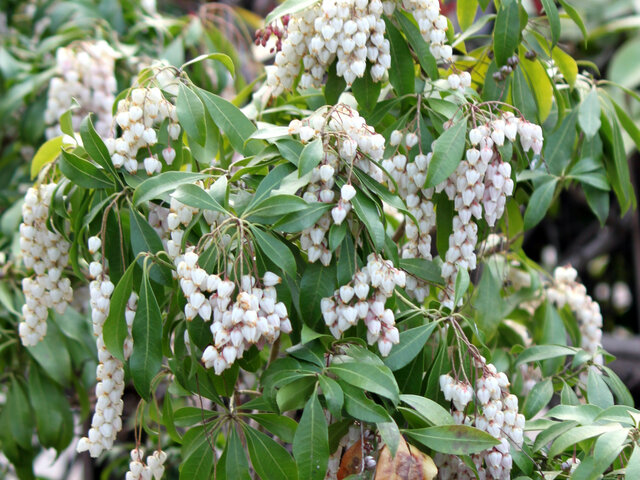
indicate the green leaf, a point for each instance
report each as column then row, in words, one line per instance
column 579, row 434
column 425, row 57
column 447, row 153
column 21, row 418
column 422, row 268
column 275, row 250
column 277, row 205
column 95, row 147
column 627, row 123
column 623, row 67
column 269, row 459
column 52, row 355
column 618, row 169
column 288, row 7
column 541, row 86
column 584, row 414
column 317, row 283
column 366, row 91
column 198, row 457
column 543, row 352
column 145, row 239
column 297, row 221
column 236, row 462
column 375, row 379
column 506, row 33
column 538, row 398
column 554, row 19
column 146, row 359
column 195, row 196
column 606, row 450
column 367, row 211
column 47, row 153
column 539, row 203
column 589, row 114
column 633, row 465
column 280, row 425
column 401, row 71
column 489, row 304
column 54, row 420
column 310, row 157
column 191, row 114
column 115, row 329
column 412, row 341
column 335, row 85
column 575, row 16
column 362, row 408
column 462, row 284
column 548, row 435
column 158, row 185
column 523, row 96
column 559, row 146
column 82, row 172
column 332, row 394
column 311, row 442
column 454, row 439
column 466, row 13
column 597, row 391
column 618, row 388
column 336, row 235
column 220, row 57
column 231, row 120
column 430, row 410
column 390, row 434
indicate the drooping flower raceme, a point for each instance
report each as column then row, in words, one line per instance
column 364, row 299
column 106, row 421
column 139, row 117
column 347, row 142
column 46, row 253
column 85, row 72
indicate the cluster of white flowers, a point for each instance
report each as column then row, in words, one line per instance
column 351, row 30
column 433, row 26
column 47, row 253
column 481, row 184
column 106, row 421
column 497, row 414
column 372, row 286
column 410, row 178
column 255, row 318
column 566, row 290
column 85, row 73
column 139, row 115
column 154, row 468
column 347, row 141
column 460, row 81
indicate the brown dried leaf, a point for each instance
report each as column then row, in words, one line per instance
column 408, row 464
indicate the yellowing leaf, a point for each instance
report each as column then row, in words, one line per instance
column 409, row 463
column 47, row 153
column 540, row 85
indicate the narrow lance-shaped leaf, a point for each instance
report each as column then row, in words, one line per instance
column 507, row 31
column 447, row 153
column 269, row 459
column 191, row 114
column 114, row 330
column 454, row 439
column 146, row 358
column 82, row 172
column 311, row 442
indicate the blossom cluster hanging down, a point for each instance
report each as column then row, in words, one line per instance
column 364, row 298
column 566, row 290
column 347, row 142
column 86, row 74
column 480, row 186
column 106, row 421
column 139, row 117
column 351, row 31
column 46, row 253
column 497, row 414
column 153, row 468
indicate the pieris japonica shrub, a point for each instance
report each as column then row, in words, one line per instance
column 327, row 280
